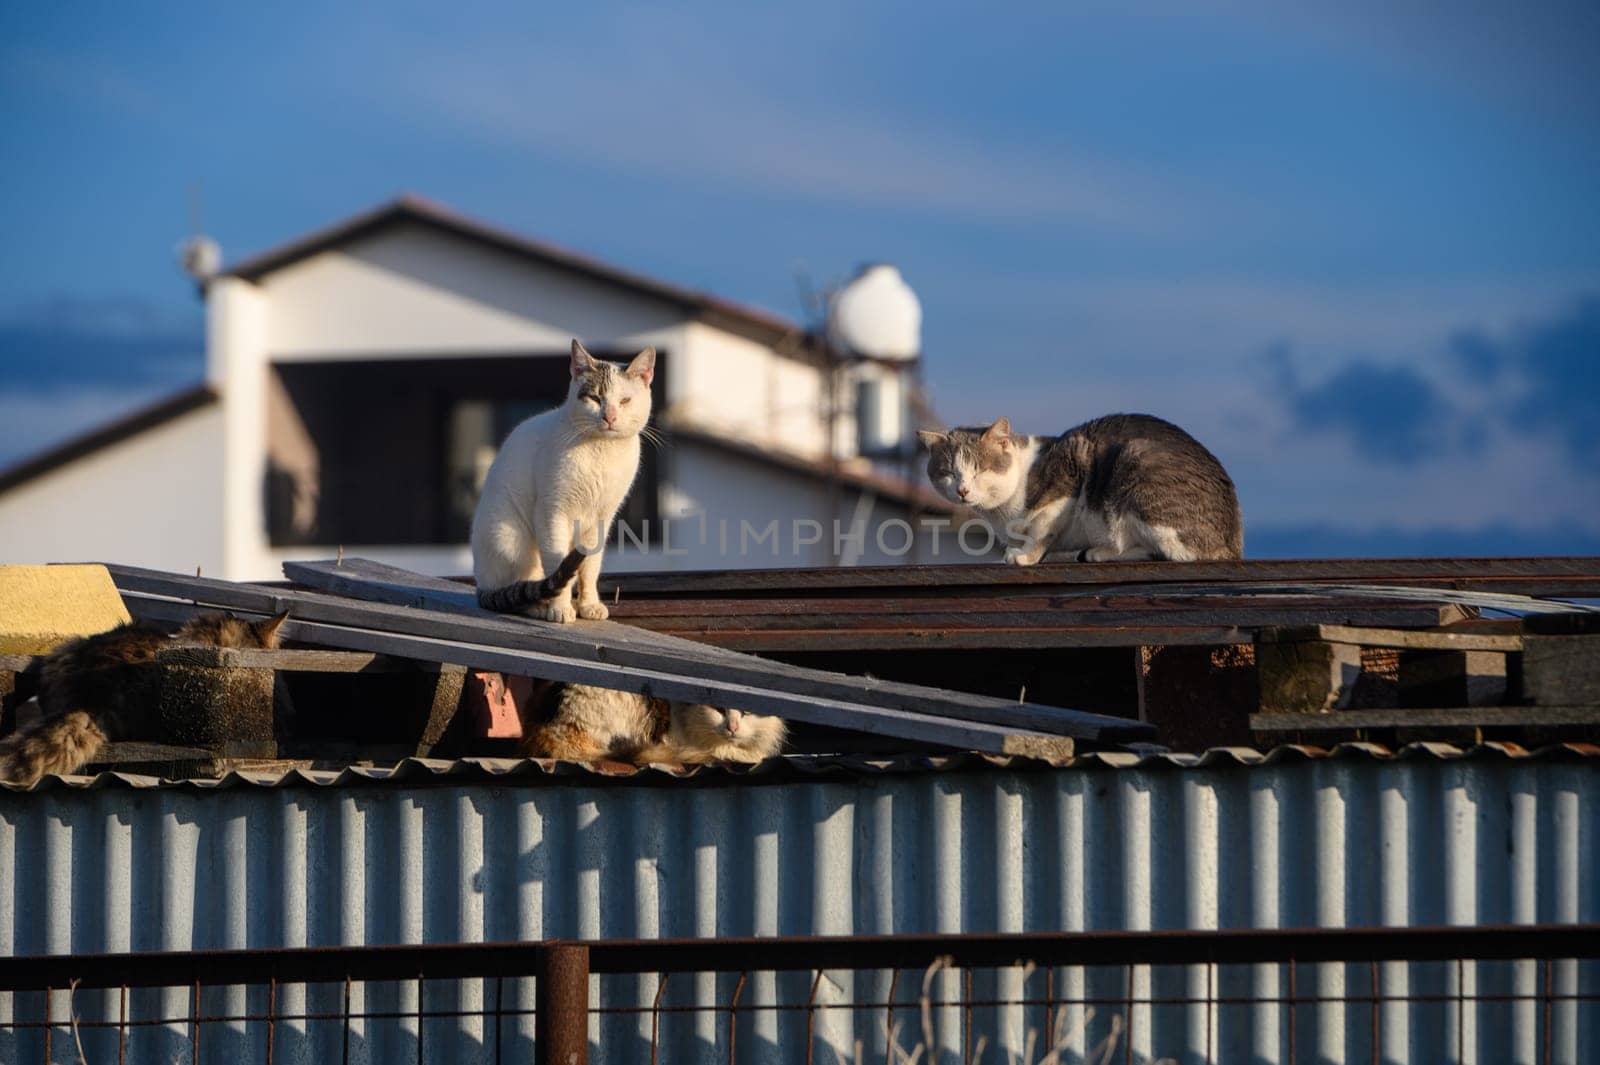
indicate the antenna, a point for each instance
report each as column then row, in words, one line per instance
column 198, row 255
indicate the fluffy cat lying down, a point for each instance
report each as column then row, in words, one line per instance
column 585, row 723
column 104, row 688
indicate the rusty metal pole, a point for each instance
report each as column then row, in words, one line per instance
column 561, row 998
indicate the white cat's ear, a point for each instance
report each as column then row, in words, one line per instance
column 998, row 433
column 643, row 366
column 582, row 361
column 930, row 439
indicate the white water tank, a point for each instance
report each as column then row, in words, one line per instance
column 880, row 414
column 877, row 316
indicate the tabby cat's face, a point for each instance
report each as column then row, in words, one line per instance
column 224, row 630
column 607, row 400
column 974, row 467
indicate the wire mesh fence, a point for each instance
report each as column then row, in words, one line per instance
column 1482, row 994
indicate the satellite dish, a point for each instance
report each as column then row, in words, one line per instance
column 877, row 316
column 200, row 257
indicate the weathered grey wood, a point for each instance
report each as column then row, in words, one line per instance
column 975, row 736
column 207, row 707
column 20, row 663
column 1248, row 616
column 618, row 646
column 1452, row 678
column 1563, row 624
column 1420, row 639
column 296, row 660
column 1577, row 577
column 371, row 580
column 915, row 639
column 1561, row 670
column 1309, row 677
column 134, row 751
column 1467, row 717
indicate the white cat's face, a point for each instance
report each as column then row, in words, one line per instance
column 761, row 735
column 607, row 400
column 975, row 467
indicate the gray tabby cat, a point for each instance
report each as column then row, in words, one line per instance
column 1125, row 487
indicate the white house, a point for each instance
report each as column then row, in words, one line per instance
column 359, row 379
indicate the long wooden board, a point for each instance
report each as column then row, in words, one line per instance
column 296, row 660
column 1479, row 639
column 375, row 581
column 834, row 713
column 1251, row 616
column 618, row 647
column 977, row 639
column 1574, row 577
column 1468, row 717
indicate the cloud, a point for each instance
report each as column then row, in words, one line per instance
column 31, row 422
column 71, row 363
column 1389, row 414
column 1317, row 540
column 672, row 103
column 1546, row 375
column 1538, row 57
column 116, row 341
column 1538, row 381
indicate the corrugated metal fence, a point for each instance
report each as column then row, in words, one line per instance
column 1331, row 842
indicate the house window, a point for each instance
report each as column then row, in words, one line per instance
column 394, row 451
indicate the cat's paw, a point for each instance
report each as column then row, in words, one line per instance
column 561, row 613
column 595, row 611
column 1017, row 556
column 1099, row 554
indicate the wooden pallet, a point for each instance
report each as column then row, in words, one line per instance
column 219, row 708
column 1535, row 672
column 384, row 609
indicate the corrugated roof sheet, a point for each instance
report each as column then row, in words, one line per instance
column 1292, row 837
column 414, row 772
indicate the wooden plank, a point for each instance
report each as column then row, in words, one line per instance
column 903, row 724
column 133, row 751
column 1477, row 639
column 916, row 639
column 625, row 645
column 296, row 660
column 1576, row 577
column 833, row 713
column 1243, row 616
column 1107, row 607
column 1561, row 670
column 1309, row 677
column 1431, row 678
column 1563, row 625
column 1468, row 717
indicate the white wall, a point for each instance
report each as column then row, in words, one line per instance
column 728, row 489
column 411, row 290
column 152, row 500
column 739, row 388
column 407, row 291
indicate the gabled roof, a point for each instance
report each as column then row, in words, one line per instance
column 735, row 317
column 124, row 428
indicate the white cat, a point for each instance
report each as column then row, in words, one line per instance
column 562, row 472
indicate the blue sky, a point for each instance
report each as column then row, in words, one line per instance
column 1355, row 250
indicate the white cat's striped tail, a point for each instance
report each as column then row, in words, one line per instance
column 517, row 597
